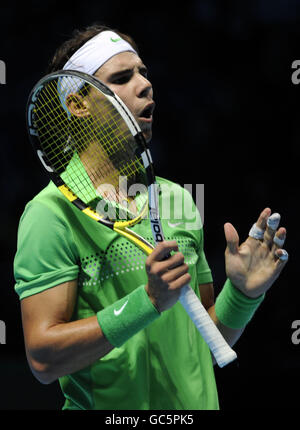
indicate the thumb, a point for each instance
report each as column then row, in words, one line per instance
column 232, row 238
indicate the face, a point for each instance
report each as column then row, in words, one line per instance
column 126, row 75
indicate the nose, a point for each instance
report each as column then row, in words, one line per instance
column 143, row 86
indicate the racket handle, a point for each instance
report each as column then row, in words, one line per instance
column 207, row 328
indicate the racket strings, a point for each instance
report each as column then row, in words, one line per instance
column 103, row 161
column 91, row 147
column 50, row 120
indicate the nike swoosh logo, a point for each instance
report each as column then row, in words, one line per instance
column 119, row 311
column 115, row 40
column 175, row 224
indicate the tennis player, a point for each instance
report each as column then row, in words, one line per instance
column 72, row 276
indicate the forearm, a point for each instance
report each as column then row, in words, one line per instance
column 66, row 348
column 230, row 335
column 233, row 311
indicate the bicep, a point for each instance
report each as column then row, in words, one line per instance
column 48, row 308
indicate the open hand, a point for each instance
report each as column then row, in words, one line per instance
column 254, row 265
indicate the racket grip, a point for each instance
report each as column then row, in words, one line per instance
column 217, row 344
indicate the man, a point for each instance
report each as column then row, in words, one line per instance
column 100, row 316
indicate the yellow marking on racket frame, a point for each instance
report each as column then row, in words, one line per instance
column 133, row 238
column 121, row 227
column 91, row 214
column 67, row 193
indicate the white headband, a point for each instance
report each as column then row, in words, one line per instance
column 96, row 51
column 90, row 57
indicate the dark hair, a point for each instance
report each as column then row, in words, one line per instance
column 79, row 38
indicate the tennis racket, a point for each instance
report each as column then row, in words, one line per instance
column 93, row 149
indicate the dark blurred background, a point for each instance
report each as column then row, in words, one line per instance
column 227, row 116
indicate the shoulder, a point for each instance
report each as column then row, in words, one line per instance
column 46, row 252
column 50, row 197
column 169, row 187
column 177, row 203
column 46, row 215
column 164, row 181
column 48, row 205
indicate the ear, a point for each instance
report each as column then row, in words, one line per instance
column 77, row 105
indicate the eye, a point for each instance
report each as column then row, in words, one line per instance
column 144, row 72
column 121, row 80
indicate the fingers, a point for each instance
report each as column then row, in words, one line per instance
column 274, row 238
column 263, row 218
column 172, row 275
column 282, row 256
column 265, row 231
column 169, row 269
column 232, row 238
column 271, row 228
column 257, row 230
column 279, row 238
column 163, row 250
column 167, row 273
column 160, row 267
column 166, row 276
column 278, row 243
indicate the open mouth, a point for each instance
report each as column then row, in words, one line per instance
column 147, row 112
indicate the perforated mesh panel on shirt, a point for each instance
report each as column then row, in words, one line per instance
column 123, row 257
